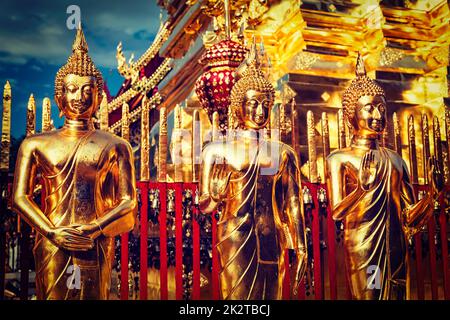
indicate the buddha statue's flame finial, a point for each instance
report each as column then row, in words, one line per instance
column 253, row 56
column 80, row 44
column 360, row 69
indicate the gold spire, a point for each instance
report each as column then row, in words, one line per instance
column 162, row 147
column 177, row 155
column 80, row 44
column 177, row 117
column 196, row 146
column 253, row 56
column 145, row 139
column 397, row 132
column 226, row 4
column 312, row 148
column 125, row 122
column 6, row 128
column 31, row 116
column 360, row 69
column 46, row 115
column 104, row 115
column 215, row 127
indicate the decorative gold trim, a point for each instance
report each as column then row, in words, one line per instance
column 145, row 140
column 144, row 85
column 125, row 122
column 412, row 149
column 6, row 128
column 397, row 136
column 312, row 149
column 46, row 115
column 136, row 113
column 162, row 148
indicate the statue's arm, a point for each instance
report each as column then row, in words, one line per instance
column 294, row 212
column 23, row 186
column 340, row 203
column 415, row 214
column 122, row 217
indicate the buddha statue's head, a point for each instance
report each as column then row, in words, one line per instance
column 364, row 104
column 252, row 96
column 78, row 84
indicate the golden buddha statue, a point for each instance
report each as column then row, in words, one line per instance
column 254, row 183
column 371, row 191
column 89, row 184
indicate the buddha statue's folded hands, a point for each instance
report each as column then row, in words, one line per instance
column 89, row 230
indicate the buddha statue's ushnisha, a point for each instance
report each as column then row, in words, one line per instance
column 255, row 184
column 372, row 193
column 89, row 185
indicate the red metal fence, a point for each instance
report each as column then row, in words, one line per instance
column 428, row 254
column 323, row 281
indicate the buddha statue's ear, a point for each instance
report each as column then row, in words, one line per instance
column 58, row 100
column 95, row 98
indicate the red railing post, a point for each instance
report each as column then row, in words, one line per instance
column 195, row 246
column 163, row 240
column 331, row 252
column 124, row 266
column 431, row 225
column 301, row 294
column 215, row 261
column 318, row 290
column 286, row 293
column 178, row 240
column 444, row 244
column 143, row 241
column 419, row 264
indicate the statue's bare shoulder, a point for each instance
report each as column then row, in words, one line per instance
column 339, row 156
column 396, row 159
column 112, row 142
column 285, row 149
column 37, row 142
column 214, row 150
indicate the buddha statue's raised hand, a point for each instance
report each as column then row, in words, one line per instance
column 368, row 170
column 219, row 183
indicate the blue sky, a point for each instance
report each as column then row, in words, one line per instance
column 35, row 42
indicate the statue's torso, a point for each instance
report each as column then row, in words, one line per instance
column 250, row 225
column 75, row 168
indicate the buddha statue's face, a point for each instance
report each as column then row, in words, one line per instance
column 370, row 115
column 256, row 109
column 79, row 99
